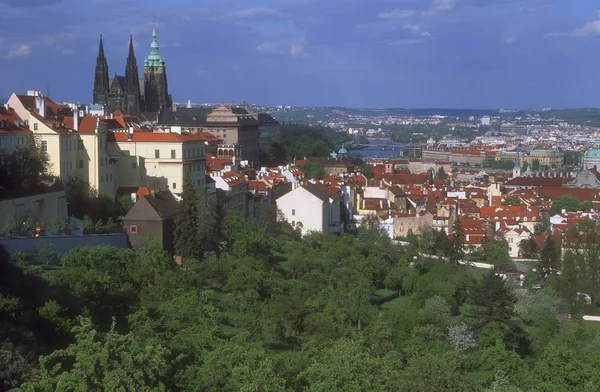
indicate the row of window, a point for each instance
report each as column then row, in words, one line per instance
column 109, row 178
column 68, row 145
column 68, row 165
column 192, row 152
column 11, row 141
column 104, row 161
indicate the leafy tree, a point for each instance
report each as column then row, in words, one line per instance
column 10, row 226
column 58, row 226
column 314, row 171
column 366, row 170
column 461, row 337
column 24, row 167
column 457, row 241
column 496, row 252
column 565, row 202
column 543, row 227
column 441, row 174
column 187, row 223
column 512, row 201
column 549, row 263
column 102, row 363
column 535, row 165
column 528, row 249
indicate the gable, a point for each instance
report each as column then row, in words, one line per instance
column 142, row 210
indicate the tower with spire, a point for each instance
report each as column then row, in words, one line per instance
column 517, row 167
column 156, row 92
column 132, row 82
column 100, row 92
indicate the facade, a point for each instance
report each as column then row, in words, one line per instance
column 123, row 92
column 151, row 217
column 591, row 159
column 417, row 224
column 158, row 159
column 311, row 208
column 234, row 189
column 553, row 158
column 75, row 146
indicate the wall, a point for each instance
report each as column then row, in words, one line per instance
column 46, row 207
column 309, row 209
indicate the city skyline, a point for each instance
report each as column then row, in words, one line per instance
column 353, row 53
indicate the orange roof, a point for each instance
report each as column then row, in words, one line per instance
column 11, row 118
column 153, row 137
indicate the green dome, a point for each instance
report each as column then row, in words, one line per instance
column 592, row 154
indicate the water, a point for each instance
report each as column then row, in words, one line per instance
column 374, row 149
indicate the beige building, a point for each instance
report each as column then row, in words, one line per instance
column 153, row 158
column 13, row 130
column 75, row 146
column 417, row 224
column 554, row 158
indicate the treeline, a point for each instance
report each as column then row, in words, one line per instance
column 274, row 311
column 299, row 141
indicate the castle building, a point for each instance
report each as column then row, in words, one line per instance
column 123, row 92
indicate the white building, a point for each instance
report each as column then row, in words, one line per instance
column 312, row 208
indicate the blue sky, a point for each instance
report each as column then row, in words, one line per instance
column 356, row 53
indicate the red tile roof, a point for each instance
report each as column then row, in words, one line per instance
column 153, row 137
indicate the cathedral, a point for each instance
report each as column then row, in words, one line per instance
column 125, row 92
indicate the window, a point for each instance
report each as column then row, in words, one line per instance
column 44, row 145
column 35, row 125
column 174, row 185
column 293, row 212
column 156, row 154
column 81, row 163
column 133, row 229
column 172, row 154
column 134, row 165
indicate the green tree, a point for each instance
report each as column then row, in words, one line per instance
column 512, row 201
column 457, row 241
column 187, row 223
column 314, row 171
column 549, row 263
column 528, row 249
column 441, row 174
column 365, row 169
column 565, row 202
column 102, row 362
column 535, row 165
column 10, row 226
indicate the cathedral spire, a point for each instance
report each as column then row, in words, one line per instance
column 100, row 92
column 132, row 82
column 154, row 59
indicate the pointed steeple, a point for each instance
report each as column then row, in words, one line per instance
column 132, row 82
column 101, row 87
column 101, row 49
column 154, row 59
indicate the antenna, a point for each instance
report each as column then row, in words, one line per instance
column 48, row 90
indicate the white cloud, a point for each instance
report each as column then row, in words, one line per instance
column 401, row 42
column 397, row 14
column 416, row 29
column 23, row 50
column 298, row 49
column 590, row 29
column 267, row 47
column 258, row 12
column 443, row 5
column 509, row 40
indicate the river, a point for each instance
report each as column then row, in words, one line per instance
column 374, row 150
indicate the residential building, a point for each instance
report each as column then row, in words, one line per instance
column 312, row 208
column 152, row 217
column 13, row 130
column 234, row 190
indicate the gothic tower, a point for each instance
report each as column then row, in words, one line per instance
column 155, row 79
column 101, row 77
column 132, row 83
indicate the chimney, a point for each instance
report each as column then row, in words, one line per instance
column 40, row 105
column 174, row 108
column 381, row 204
column 76, row 120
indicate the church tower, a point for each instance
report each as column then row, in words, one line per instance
column 101, row 77
column 155, row 79
column 132, row 83
column 517, row 167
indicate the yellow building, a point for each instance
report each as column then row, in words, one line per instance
column 13, row 131
column 75, row 146
column 158, row 158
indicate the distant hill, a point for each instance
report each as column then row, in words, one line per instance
column 586, row 116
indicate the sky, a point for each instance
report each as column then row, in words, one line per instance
column 353, row 53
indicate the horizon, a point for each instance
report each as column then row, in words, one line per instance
column 461, row 54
